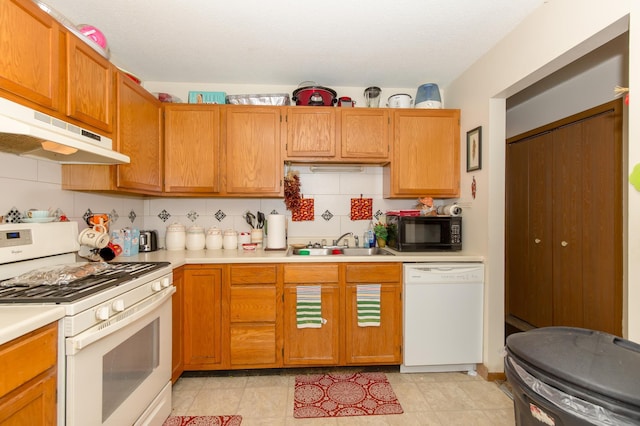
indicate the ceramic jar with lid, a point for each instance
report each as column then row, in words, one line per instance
column 243, row 238
column 195, row 238
column 175, row 238
column 230, row 240
column 213, row 240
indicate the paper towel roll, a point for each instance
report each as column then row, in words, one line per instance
column 277, row 231
column 450, row 210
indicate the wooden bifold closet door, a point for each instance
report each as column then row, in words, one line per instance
column 564, row 223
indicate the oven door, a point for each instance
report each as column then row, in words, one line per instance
column 116, row 369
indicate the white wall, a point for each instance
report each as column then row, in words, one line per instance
column 556, row 34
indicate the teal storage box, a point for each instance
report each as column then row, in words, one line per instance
column 207, row 97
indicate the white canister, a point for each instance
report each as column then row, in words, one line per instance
column 244, row 238
column 400, row 100
column 195, row 238
column 175, row 238
column 230, row 240
column 213, row 241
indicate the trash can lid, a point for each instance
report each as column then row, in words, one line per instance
column 595, row 361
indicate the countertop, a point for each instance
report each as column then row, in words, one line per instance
column 17, row 320
column 182, row 257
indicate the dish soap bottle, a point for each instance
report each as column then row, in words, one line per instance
column 371, row 235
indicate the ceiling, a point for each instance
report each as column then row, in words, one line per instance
column 349, row 43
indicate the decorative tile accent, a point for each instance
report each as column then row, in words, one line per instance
column 220, row 215
column 274, row 211
column 132, row 216
column 164, row 215
column 87, row 215
column 114, row 216
column 13, row 215
column 327, row 215
column 378, row 214
column 193, row 215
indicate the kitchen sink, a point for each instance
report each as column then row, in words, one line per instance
column 334, row 251
column 361, row 251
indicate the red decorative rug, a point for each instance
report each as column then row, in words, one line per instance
column 203, row 421
column 344, row 394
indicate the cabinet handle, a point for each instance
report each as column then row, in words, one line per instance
column 537, row 240
column 564, row 244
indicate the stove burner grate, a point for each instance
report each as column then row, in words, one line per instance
column 119, row 273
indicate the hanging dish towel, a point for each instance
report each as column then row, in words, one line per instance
column 305, row 211
column 361, row 208
column 368, row 304
column 309, row 306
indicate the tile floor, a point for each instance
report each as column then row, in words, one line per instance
column 261, row 398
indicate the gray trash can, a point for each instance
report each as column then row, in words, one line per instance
column 564, row 376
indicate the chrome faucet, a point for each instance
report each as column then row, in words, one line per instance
column 336, row 242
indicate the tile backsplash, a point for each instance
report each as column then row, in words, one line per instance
column 28, row 183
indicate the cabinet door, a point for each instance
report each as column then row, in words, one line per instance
column 253, row 312
column 311, row 132
column 202, row 317
column 33, row 404
column 529, row 247
column 253, row 149
column 364, row 134
column 192, row 149
column 177, row 303
column 30, row 53
column 312, row 346
column 90, row 86
column 139, row 136
column 426, row 154
column 374, row 344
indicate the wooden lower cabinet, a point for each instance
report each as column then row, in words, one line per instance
column 253, row 313
column 244, row 316
column 177, row 355
column 28, row 378
column 312, row 346
column 374, row 344
column 202, row 315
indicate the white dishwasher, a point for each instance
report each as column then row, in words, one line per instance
column 442, row 316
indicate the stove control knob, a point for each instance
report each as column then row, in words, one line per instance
column 166, row 282
column 118, row 305
column 156, row 286
column 102, row 313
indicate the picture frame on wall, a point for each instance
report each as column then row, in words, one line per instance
column 474, row 149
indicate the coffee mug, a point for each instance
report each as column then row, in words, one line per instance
column 97, row 236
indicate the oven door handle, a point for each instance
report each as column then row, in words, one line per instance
column 77, row 343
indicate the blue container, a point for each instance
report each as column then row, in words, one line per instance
column 428, row 96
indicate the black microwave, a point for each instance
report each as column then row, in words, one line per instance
column 424, row 233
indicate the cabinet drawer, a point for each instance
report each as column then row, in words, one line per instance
column 250, row 274
column 311, row 273
column 253, row 344
column 374, row 273
column 252, row 304
column 24, row 358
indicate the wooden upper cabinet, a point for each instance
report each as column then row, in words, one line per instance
column 426, row 154
column 30, row 54
column 90, row 86
column 311, row 133
column 252, row 145
column 139, row 123
column 364, row 134
column 192, row 149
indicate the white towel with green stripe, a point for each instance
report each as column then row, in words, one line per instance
column 309, row 306
column 368, row 304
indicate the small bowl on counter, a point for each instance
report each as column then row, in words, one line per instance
column 249, row 246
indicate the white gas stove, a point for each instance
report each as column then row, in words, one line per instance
column 115, row 339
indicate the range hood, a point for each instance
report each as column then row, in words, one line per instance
column 30, row 133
